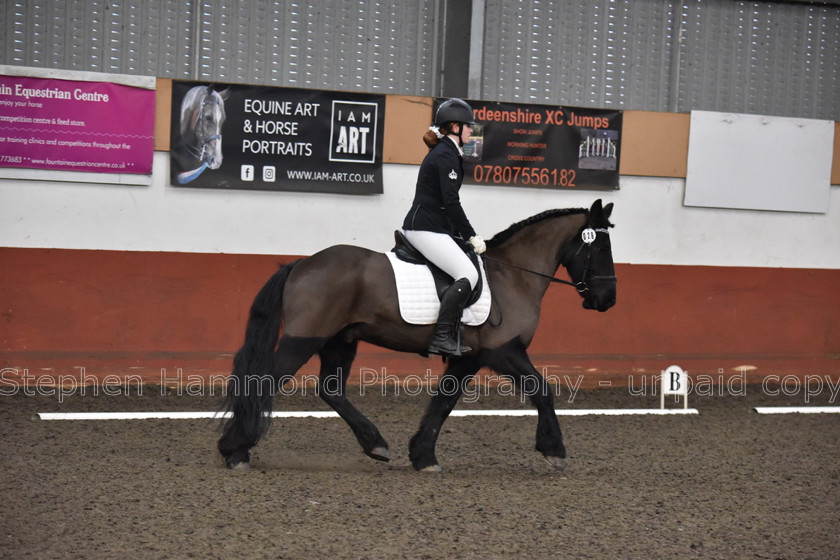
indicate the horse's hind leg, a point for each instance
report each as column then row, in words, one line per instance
column 336, row 358
column 421, row 450
column 250, row 396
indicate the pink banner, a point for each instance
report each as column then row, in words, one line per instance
column 76, row 126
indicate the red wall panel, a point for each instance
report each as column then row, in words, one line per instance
column 158, row 315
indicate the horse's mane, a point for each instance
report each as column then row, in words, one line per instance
column 503, row 236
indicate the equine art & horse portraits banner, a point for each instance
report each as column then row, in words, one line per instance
column 270, row 138
column 543, row 146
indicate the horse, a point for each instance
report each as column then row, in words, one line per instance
column 202, row 117
column 327, row 302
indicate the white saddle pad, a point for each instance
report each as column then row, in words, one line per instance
column 419, row 302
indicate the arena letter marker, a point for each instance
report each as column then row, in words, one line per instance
column 674, row 382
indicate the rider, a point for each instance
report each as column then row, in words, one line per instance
column 436, row 219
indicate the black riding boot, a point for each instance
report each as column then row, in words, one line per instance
column 446, row 339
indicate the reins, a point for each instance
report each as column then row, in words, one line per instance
column 588, row 237
column 579, row 286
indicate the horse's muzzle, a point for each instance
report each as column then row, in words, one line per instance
column 214, row 162
column 598, row 305
column 601, row 296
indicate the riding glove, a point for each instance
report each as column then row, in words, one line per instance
column 478, row 244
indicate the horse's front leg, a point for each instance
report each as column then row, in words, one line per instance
column 336, row 359
column 514, row 363
column 549, row 436
column 421, row 450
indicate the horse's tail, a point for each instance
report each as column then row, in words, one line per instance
column 251, row 383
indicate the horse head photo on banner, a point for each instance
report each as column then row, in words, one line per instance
column 202, row 117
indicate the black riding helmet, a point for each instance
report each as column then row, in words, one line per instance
column 454, row 110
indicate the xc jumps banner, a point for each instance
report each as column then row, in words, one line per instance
column 543, row 146
column 271, row 138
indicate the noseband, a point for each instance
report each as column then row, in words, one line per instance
column 587, row 238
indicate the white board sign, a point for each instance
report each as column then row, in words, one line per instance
column 756, row 162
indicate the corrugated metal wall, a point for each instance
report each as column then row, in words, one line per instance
column 358, row 45
column 146, row 38
column 776, row 58
column 600, row 53
column 757, row 57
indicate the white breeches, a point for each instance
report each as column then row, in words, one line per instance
column 445, row 253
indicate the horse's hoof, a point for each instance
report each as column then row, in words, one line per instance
column 431, row 469
column 380, row 454
column 242, row 466
column 557, row 463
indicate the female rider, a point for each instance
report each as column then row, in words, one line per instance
column 436, row 219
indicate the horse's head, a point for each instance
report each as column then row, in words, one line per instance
column 589, row 260
column 209, row 127
column 202, row 116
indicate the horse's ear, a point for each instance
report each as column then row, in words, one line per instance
column 225, row 93
column 596, row 211
column 608, row 210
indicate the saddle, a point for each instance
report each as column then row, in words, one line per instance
column 405, row 251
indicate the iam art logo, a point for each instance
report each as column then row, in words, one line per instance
column 353, row 131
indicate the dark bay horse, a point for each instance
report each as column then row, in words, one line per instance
column 326, row 303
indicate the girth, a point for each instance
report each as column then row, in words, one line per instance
column 407, row 252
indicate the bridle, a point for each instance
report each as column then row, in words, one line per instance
column 198, row 149
column 588, row 236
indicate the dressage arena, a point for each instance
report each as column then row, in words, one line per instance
column 724, row 483
column 677, row 163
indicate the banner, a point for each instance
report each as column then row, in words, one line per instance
column 543, row 146
column 58, row 124
column 270, row 138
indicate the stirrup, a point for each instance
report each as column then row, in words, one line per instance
column 456, row 351
column 447, row 341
